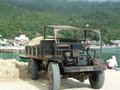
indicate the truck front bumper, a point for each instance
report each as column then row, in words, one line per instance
column 84, row 68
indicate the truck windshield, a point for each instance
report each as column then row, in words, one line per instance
column 91, row 37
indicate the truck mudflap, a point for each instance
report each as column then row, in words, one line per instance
column 84, row 68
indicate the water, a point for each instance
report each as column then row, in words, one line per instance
column 12, row 56
column 107, row 53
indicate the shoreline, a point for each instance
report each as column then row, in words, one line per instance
column 110, row 46
column 98, row 47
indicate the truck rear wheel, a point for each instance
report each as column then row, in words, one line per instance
column 33, row 69
column 53, row 74
column 96, row 79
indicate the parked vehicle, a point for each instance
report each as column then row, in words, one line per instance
column 64, row 56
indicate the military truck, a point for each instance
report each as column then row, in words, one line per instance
column 67, row 53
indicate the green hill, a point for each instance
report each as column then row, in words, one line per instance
column 29, row 16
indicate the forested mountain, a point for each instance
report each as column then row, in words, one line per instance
column 29, row 16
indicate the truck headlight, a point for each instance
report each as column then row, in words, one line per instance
column 67, row 54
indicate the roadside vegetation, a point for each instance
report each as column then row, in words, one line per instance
column 29, row 17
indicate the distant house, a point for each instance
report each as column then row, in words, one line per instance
column 17, row 43
column 22, row 38
column 116, row 42
column 5, row 44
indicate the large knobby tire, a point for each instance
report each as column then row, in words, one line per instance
column 33, row 69
column 97, row 79
column 53, row 74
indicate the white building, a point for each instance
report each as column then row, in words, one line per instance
column 22, row 38
column 117, row 42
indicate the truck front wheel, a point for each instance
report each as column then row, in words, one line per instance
column 96, row 79
column 53, row 74
column 33, row 69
